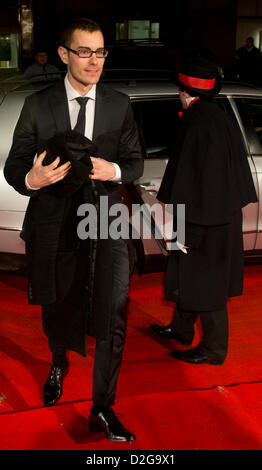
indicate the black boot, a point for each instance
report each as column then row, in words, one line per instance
column 168, row 332
column 53, row 385
column 197, row 355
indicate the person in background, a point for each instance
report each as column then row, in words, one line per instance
column 41, row 67
column 208, row 173
column 249, row 63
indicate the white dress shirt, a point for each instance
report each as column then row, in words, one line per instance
column 74, row 107
column 188, row 100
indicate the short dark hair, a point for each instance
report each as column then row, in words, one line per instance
column 250, row 39
column 40, row 50
column 85, row 24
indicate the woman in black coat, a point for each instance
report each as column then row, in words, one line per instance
column 210, row 175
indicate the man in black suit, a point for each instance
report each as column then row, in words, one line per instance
column 82, row 285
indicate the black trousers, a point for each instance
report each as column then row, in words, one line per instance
column 108, row 352
column 214, row 326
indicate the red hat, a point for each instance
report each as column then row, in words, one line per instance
column 199, row 77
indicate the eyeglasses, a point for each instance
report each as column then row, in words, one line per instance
column 86, row 52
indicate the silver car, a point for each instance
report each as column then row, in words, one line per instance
column 155, row 104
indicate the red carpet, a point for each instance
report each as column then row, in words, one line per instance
column 168, row 404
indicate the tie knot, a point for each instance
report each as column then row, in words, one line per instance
column 82, row 100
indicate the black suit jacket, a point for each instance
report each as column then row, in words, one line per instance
column 44, row 114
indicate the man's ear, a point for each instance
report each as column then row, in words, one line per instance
column 63, row 54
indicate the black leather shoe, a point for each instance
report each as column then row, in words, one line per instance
column 108, row 423
column 53, row 385
column 167, row 332
column 196, row 356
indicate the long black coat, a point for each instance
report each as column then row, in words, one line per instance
column 209, row 173
column 115, row 135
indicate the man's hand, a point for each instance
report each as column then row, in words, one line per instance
column 182, row 247
column 40, row 176
column 102, row 169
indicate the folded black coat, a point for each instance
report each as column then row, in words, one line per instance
column 70, row 274
column 75, row 148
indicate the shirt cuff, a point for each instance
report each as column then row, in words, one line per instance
column 181, row 247
column 28, row 185
column 117, row 177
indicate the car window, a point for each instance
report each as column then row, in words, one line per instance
column 250, row 110
column 157, row 121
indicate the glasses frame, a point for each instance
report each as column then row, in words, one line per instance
column 77, row 52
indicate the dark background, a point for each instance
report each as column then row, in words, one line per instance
column 205, row 25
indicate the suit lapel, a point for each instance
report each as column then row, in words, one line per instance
column 102, row 111
column 59, row 106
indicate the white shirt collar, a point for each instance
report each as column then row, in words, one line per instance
column 72, row 93
column 188, row 100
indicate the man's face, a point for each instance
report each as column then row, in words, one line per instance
column 249, row 43
column 41, row 58
column 83, row 71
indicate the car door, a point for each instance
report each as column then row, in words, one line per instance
column 248, row 109
column 157, row 119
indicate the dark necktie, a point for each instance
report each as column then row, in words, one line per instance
column 81, row 119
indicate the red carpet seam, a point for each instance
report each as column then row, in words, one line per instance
column 74, row 402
